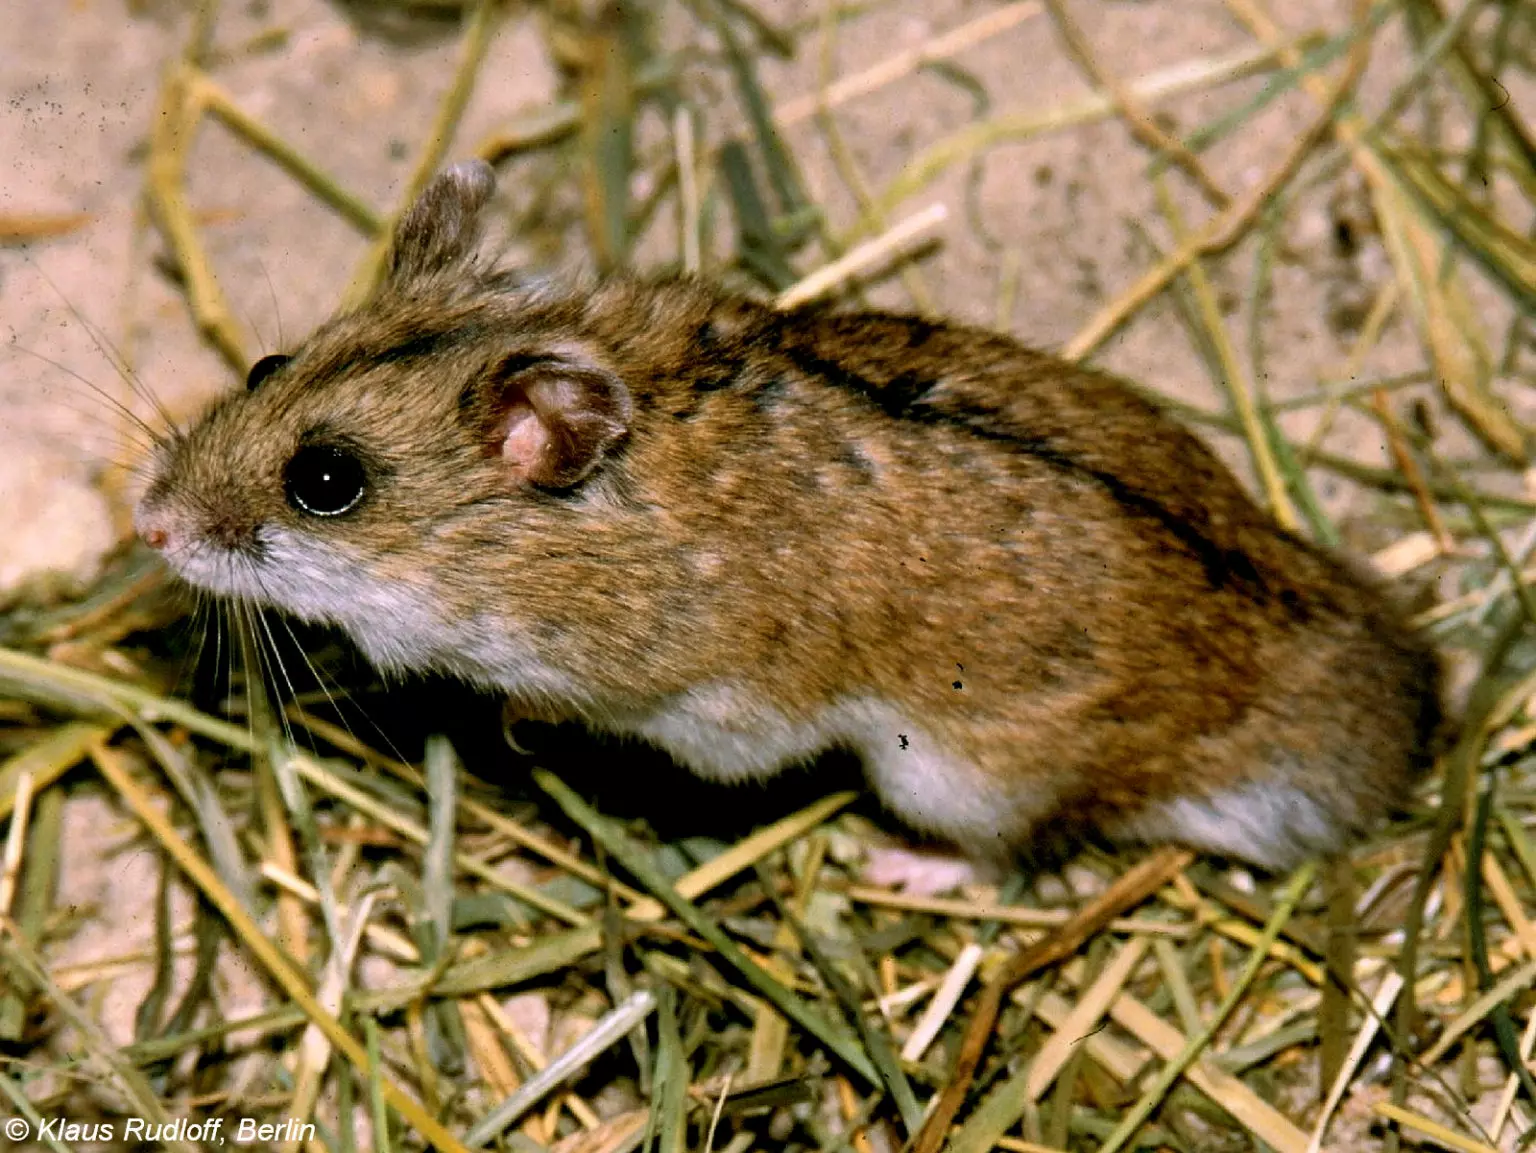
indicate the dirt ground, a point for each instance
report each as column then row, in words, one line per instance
column 1070, row 212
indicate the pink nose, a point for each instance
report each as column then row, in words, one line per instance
column 154, row 527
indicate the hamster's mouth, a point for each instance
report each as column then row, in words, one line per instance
column 306, row 578
column 395, row 622
column 401, row 622
column 235, row 575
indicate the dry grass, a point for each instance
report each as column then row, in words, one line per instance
column 439, row 966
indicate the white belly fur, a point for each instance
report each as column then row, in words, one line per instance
column 724, row 734
column 1271, row 823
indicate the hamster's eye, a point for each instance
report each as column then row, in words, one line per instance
column 323, row 480
column 264, row 368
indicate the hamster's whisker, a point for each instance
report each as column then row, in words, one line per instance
column 273, row 659
column 208, row 613
column 223, row 654
column 101, row 393
column 109, row 350
column 256, row 644
column 195, row 624
column 101, row 456
column 199, row 624
column 126, row 454
column 234, row 654
column 333, row 699
column 180, row 551
column 114, row 435
column 129, row 466
column 271, row 654
column 254, row 660
column 277, row 311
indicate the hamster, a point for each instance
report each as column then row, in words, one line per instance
column 1028, row 600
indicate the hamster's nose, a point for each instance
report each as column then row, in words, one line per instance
column 154, row 526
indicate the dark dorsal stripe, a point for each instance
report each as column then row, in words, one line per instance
column 910, row 396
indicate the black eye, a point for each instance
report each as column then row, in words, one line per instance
column 264, row 368
column 323, row 480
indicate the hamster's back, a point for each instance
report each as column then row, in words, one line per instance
column 1035, row 566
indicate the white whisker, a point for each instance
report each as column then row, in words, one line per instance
column 109, row 350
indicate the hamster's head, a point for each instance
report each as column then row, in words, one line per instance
column 364, row 479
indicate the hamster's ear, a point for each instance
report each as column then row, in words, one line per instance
column 553, row 419
column 438, row 232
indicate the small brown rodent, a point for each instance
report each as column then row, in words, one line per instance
column 1027, row 599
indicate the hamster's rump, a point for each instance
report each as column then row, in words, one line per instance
column 1023, row 595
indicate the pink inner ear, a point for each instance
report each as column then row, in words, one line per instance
column 526, row 442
